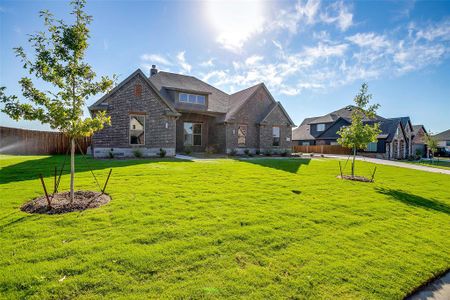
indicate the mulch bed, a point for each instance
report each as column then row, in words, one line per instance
column 355, row 178
column 60, row 202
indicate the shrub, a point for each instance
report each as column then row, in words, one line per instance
column 312, row 154
column 257, row 152
column 247, row 152
column 268, row 153
column 286, row 153
column 137, row 152
column 233, row 152
column 111, row 154
column 162, row 153
column 210, row 150
column 187, row 150
column 419, row 153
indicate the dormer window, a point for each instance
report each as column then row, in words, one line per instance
column 320, row 127
column 192, row 98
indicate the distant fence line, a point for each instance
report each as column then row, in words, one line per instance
column 322, row 149
column 35, row 142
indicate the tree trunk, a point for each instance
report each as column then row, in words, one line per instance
column 72, row 168
column 353, row 162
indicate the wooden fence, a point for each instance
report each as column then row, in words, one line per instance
column 34, row 142
column 322, row 149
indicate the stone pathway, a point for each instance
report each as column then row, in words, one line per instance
column 393, row 163
column 436, row 290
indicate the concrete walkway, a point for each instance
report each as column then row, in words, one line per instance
column 393, row 163
column 436, row 290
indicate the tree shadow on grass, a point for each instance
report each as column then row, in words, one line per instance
column 414, row 200
column 31, row 168
column 291, row 165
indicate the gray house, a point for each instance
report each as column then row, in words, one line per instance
column 177, row 112
column 394, row 141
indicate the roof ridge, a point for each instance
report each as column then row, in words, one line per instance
column 250, row 87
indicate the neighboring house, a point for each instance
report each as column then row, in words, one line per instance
column 419, row 145
column 177, row 112
column 443, row 139
column 394, row 141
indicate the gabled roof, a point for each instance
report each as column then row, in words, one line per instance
column 416, row 128
column 443, row 136
column 238, row 99
column 217, row 99
column 278, row 104
column 345, row 113
column 100, row 105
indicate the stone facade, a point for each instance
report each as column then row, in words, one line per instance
column 159, row 127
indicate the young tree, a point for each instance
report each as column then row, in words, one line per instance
column 432, row 145
column 59, row 59
column 359, row 133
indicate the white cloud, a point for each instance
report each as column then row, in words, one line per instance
column 207, row 63
column 254, row 59
column 156, row 59
column 324, row 50
column 185, row 67
column 370, row 40
column 338, row 13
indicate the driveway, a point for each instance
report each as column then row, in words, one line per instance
column 393, row 163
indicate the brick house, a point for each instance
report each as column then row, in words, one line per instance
column 177, row 112
column 394, row 142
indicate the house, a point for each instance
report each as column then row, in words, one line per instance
column 419, row 144
column 443, row 139
column 176, row 112
column 394, row 141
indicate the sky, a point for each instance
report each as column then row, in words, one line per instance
column 312, row 55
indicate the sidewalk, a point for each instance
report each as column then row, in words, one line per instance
column 393, row 163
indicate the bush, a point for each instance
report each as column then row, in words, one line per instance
column 419, row 153
column 111, row 154
column 286, row 153
column 162, row 153
column 257, row 152
column 210, row 150
column 247, row 152
column 268, row 153
column 187, row 150
column 312, row 154
column 233, row 152
column 137, row 152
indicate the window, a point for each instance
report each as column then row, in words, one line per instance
column 192, row 134
column 242, row 133
column 137, row 130
column 305, row 143
column 372, row 147
column 191, row 98
column 447, row 143
column 320, row 127
column 334, row 143
column 276, row 136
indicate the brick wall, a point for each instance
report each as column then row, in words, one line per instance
column 159, row 128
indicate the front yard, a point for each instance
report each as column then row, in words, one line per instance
column 262, row 228
column 441, row 163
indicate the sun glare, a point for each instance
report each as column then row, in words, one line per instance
column 235, row 21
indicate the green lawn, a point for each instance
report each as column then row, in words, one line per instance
column 225, row 228
column 437, row 163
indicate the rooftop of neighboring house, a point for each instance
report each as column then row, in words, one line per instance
column 443, row 136
column 388, row 126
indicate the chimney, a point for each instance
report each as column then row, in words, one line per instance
column 153, row 70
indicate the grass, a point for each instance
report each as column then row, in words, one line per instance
column 257, row 229
column 436, row 163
